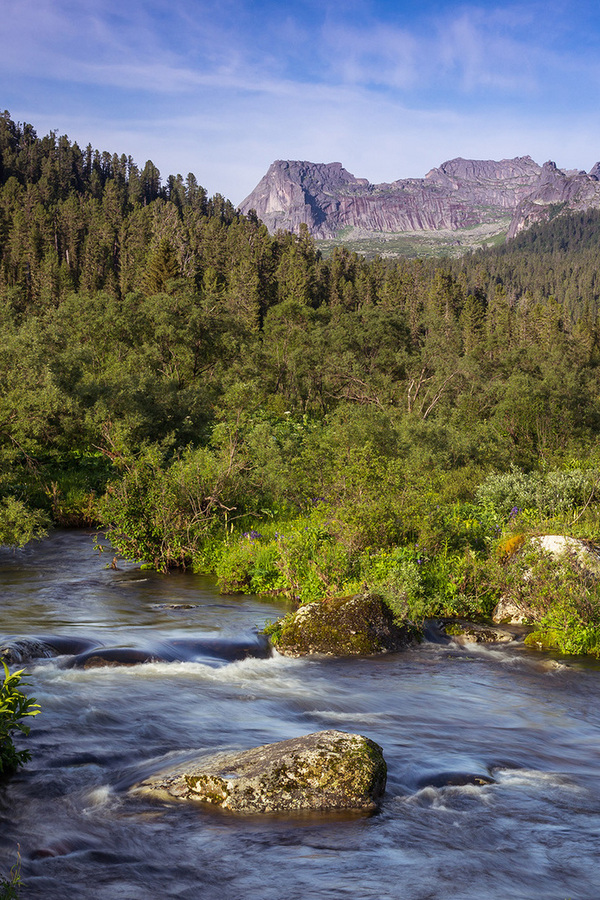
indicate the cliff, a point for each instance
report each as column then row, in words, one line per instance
column 461, row 193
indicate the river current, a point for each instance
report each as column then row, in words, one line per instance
column 530, row 721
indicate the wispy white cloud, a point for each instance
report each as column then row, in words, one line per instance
column 223, row 88
column 171, row 47
column 377, row 55
column 463, row 49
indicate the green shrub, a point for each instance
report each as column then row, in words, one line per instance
column 248, row 564
column 559, row 594
column 313, row 564
column 19, row 524
column 301, row 559
column 10, row 887
column 417, row 584
column 538, row 494
column 14, row 706
column 397, row 575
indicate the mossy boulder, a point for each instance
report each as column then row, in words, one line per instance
column 328, row 770
column 361, row 625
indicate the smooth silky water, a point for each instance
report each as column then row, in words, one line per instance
column 530, row 721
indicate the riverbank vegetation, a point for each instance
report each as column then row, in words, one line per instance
column 10, row 887
column 227, row 400
column 14, row 707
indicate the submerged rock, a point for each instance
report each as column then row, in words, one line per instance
column 454, row 779
column 19, row 650
column 463, row 632
column 321, row 771
column 111, row 656
column 361, row 625
column 228, row 650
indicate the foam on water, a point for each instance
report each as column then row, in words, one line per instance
column 534, row 779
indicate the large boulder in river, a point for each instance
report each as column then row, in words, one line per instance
column 361, row 625
column 326, row 770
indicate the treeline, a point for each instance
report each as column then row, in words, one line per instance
column 81, row 220
column 226, row 399
column 556, row 259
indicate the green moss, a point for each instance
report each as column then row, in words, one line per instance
column 577, row 640
column 341, row 626
column 209, row 788
column 454, row 630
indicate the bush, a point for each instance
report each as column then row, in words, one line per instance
column 14, row 706
column 9, row 887
column 538, row 494
column 248, row 564
column 397, row 576
column 302, row 560
column 19, row 524
column 559, row 594
column 417, row 584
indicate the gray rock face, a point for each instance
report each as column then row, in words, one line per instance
column 461, row 193
column 321, row 771
column 556, row 190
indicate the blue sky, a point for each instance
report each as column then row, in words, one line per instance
column 389, row 89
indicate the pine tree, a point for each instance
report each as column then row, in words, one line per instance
column 162, row 267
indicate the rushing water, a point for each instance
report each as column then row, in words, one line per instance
column 531, row 722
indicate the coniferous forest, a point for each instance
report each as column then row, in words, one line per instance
column 218, row 398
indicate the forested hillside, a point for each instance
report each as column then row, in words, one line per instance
column 558, row 259
column 225, row 399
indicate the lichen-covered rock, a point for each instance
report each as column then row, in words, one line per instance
column 321, row 771
column 361, row 625
column 585, row 553
column 509, row 612
column 579, row 556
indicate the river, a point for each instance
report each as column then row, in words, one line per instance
column 530, row 721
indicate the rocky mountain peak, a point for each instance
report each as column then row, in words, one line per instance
column 460, row 193
column 595, row 171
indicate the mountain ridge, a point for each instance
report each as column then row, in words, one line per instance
column 458, row 194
